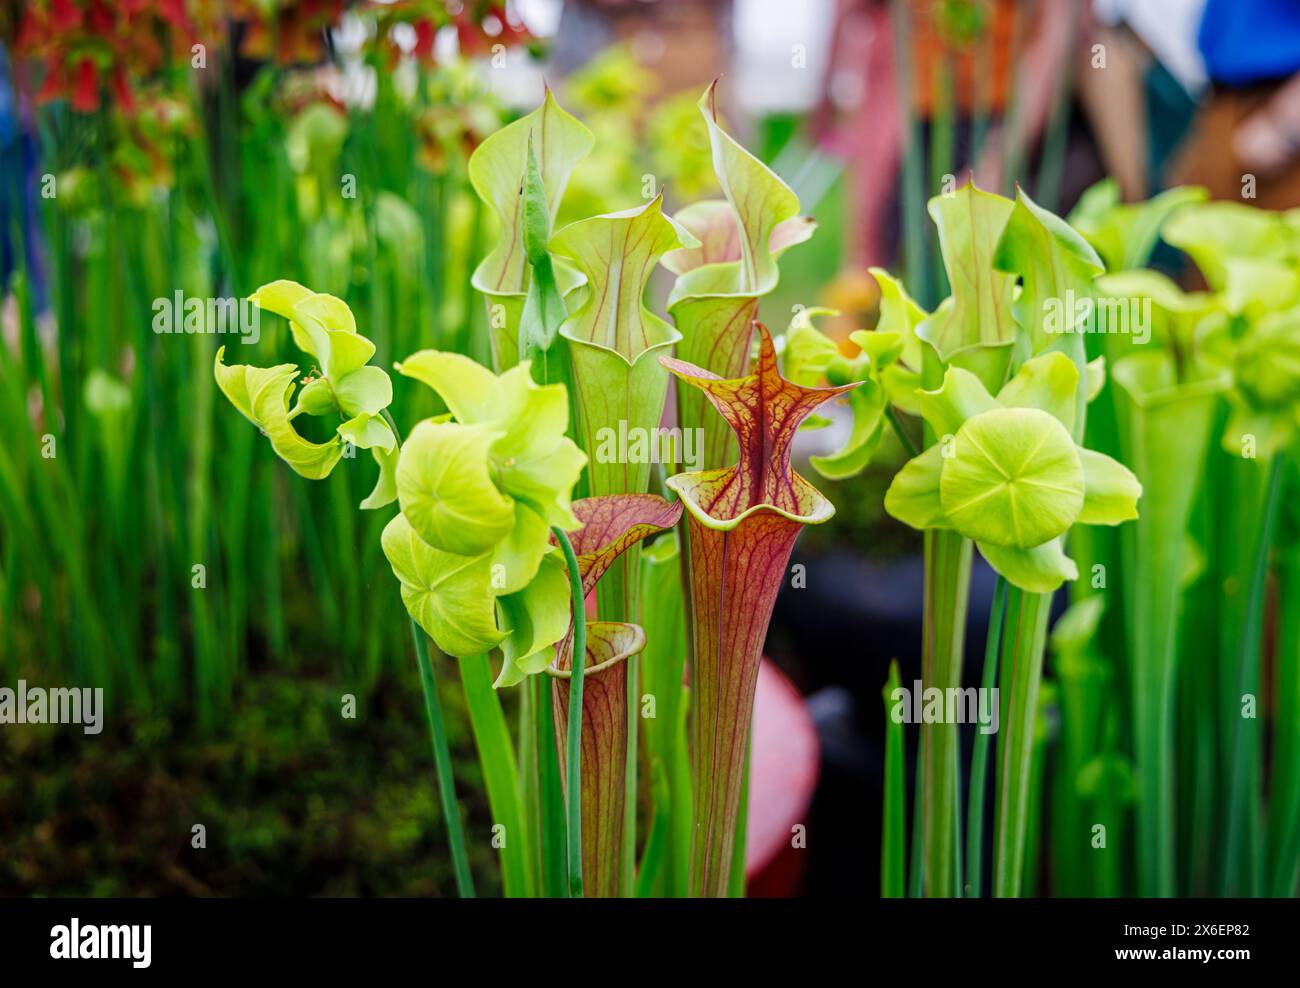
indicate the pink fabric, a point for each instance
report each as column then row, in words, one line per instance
column 783, row 770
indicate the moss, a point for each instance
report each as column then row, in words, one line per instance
column 296, row 800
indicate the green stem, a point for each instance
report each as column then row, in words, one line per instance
column 736, row 881
column 442, row 764
column 908, row 443
column 496, row 755
column 947, row 578
column 656, row 845
column 441, row 753
column 574, row 740
column 1021, row 673
column 628, row 863
column 552, row 850
column 1239, row 873
column 916, row 859
column 979, row 759
column 893, row 846
column 1284, row 795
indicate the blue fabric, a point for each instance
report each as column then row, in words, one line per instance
column 1245, row 41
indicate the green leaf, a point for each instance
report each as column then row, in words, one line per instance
column 1265, row 366
column 899, row 312
column 1175, row 315
column 760, row 202
column 961, row 397
column 280, row 297
column 368, row 432
column 1212, row 232
column 1096, row 376
column 1124, row 234
column 1076, row 629
column 1111, row 490
column 463, row 384
column 900, row 315
column 450, row 596
column 366, row 390
column 614, row 338
column 530, row 458
column 1164, row 428
column 1048, row 383
column 262, row 396
column 1013, row 478
column 913, row 495
column 618, row 252
column 970, row 223
column 315, row 398
column 1040, row 569
column 105, row 395
column 537, row 212
column 537, row 617
column 713, row 222
column 496, row 755
column 385, row 492
column 519, row 554
column 808, row 351
column 446, row 491
column 544, row 310
column 1055, row 264
column 1255, row 286
column 880, row 347
column 497, row 170
column 868, row 405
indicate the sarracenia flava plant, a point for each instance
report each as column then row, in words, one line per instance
column 744, row 520
column 1161, row 660
column 517, row 504
column 1209, row 414
column 1001, row 382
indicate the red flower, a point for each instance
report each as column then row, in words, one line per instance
column 122, row 91
column 64, row 15
column 85, row 95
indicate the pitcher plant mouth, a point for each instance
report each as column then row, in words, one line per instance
column 611, row 526
column 497, row 170
column 764, row 410
column 603, row 637
column 693, row 487
column 603, row 746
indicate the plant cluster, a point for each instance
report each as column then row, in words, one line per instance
column 508, row 522
column 1060, row 383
